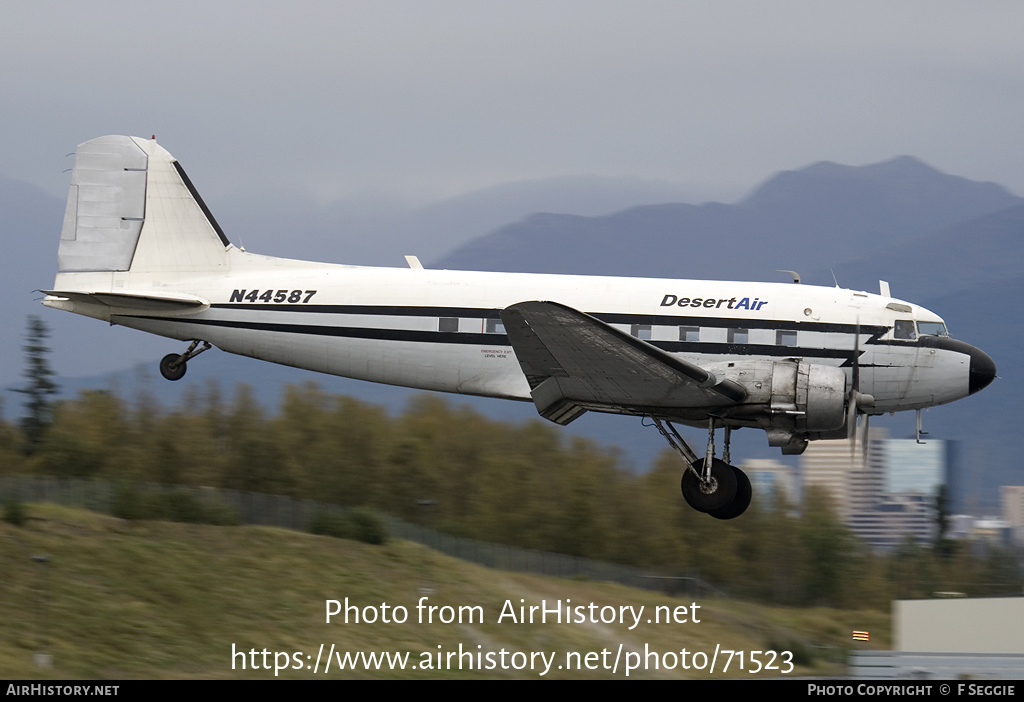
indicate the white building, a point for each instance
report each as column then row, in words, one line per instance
column 772, row 481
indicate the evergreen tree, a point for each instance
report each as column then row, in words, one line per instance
column 943, row 545
column 39, row 386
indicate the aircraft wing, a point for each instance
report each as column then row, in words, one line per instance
column 575, row 362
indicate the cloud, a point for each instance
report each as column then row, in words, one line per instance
column 339, row 100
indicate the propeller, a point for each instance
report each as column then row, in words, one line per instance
column 856, row 400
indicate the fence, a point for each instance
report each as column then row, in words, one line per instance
column 291, row 513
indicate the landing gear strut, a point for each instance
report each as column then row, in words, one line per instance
column 172, row 366
column 709, row 485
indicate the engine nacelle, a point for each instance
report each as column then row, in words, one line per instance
column 817, row 394
column 793, row 400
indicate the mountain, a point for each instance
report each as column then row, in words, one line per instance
column 970, row 273
column 902, row 195
column 968, row 255
column 801, row 220
column 435, row 229
column 379, row 232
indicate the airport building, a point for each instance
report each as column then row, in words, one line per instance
column 1012, row 497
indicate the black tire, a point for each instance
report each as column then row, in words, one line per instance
column 170, row 368
column 725, row 488
column 740, row 502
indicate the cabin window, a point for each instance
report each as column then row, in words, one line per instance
column 904, row 329
column 689, row 333
column 785, row 337
column 448, row 324
column 932, row 329
column 641, row 331
column 495, row 326
column 739, row 336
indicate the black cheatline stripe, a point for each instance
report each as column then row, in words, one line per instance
column 726, row 349
column 417, row 335
column 386, row 310
column 608, row 318
column 740, row 323
column 481, row 339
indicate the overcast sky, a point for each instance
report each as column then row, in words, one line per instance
column 346, row 100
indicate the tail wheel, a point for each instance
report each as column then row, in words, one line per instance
column 715, row 494
column 172, row 368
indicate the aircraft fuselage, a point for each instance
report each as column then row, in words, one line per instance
column 441, row 330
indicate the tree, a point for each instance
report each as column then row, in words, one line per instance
column 944, row 546
column 830, row 552
column 39, row 385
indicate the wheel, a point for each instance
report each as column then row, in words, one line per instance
column 170, row 368
column 740, row 502
column 718, row 493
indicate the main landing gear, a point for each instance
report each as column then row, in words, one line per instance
column 709, row 484
column 172, row 366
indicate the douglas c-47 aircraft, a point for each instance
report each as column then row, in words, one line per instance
column 140, row 248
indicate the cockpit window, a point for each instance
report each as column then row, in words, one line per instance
column 932, row 329
column 904, row 329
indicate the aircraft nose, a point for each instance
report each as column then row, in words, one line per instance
column 983, row 370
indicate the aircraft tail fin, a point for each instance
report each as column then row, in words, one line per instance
column 131, row 207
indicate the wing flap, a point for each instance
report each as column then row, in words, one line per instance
column 575, row 362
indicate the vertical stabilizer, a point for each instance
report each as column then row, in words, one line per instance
column 132, row 208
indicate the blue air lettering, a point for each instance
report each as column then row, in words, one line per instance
column 713, row 303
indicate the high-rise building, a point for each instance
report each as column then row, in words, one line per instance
column 884, row 490
column 849, row 471
column 772, row 481
column 914, row 467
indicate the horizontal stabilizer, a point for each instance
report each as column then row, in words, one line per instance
column 137, row 303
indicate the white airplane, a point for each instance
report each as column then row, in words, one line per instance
column 140, row 248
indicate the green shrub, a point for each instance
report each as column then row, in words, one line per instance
column 803, row 654
column 14, row 512
column 176, row 505
column 127, row 502
column 334, row 524
column 369, row 526
column 359, row 524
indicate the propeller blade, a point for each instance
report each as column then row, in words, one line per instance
column 851, row 421
column 851, row 398
column 867, row 436
column 856, row 358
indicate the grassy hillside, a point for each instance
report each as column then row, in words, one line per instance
column 163, row 600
